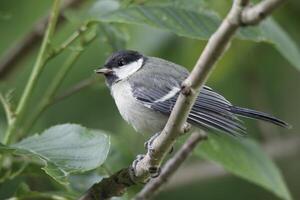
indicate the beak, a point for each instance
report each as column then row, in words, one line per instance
column 103, row 71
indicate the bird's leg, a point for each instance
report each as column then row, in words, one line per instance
column 148, row 144
column 137, row 159
column 153, row 170
column 134, row 164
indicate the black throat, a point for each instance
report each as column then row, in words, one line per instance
column 110, row 79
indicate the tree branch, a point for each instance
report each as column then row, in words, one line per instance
column 19, row 50
column 171, row 166
column 74, row 89
column 115, row 185
column 282, row 148
column 214, row 49
column 254, row 15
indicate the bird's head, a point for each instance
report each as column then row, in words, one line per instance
column 121, row 65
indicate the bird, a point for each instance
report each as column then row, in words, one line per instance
column 145, row 90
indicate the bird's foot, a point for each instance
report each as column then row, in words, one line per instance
column 134, row 165
column 154, row 171
column 171, row 150
column 148, row 144
column 149, row 147
column 186, row 128
column 136, row 161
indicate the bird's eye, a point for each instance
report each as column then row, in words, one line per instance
column 121, row 62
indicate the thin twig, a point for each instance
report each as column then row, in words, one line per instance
column 171, row 166
column 69, row 92
column 85, row 27
column 56, row 82
column 75, row 89
column 254, row 15
column 279, row 149
column 18, row 51
column 7, row 109
column 214, row 49
column 37, row 69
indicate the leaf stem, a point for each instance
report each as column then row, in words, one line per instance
column 54, row 85
column 7, row 108
column 49, row 97
column 76, row 88
column 77, row 34
column 35, row 74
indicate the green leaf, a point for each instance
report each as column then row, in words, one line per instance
column 183, row 22
column 245, row 159
column 44, row 195
column 82, row 182
column 276, row 35
column 114, row 35
column 103, row 7
column 6, row 149
column 9, row 187
column 271, row 32
column 195, row 5
column 201, row 24
column 65, row 149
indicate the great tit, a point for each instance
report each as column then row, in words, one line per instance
column 145, row 90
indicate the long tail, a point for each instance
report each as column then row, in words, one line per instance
column 245, row 112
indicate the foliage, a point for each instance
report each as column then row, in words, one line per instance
column 246, row 159
column 71, row 148
column 65, row 149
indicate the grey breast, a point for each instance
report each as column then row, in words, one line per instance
column 143, row 119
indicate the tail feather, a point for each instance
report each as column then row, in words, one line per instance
column 245, row 112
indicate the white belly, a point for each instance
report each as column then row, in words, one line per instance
column 143, row 119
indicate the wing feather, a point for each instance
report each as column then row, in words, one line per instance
column 210, row 110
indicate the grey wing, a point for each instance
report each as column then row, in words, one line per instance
column 160, row 91
column 213, row 111
column 210, row 111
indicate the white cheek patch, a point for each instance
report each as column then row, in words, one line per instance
column 129, row 69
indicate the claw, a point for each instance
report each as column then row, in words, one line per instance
column 148, row 144
column 171, row 150
column 135, row 162
column 154, row 171
column 186, row 128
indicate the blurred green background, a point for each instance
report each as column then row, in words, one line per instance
column 250, row 74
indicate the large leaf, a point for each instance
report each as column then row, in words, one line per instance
column 245, row 159
column 200, row 24
column 270, row 31
column 275, row 34
column 183, row 22
column 65, row 149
